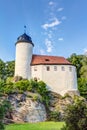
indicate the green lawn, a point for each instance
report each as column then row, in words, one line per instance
column 36, row 126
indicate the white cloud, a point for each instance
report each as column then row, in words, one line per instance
column 61, row 39
column 52, row 24
column 51, row 3
column 42, row 51
column 60, row 9
column 85, row 51
column 48, row 44
column 49, row 35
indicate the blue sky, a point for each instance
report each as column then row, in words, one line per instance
column 57, row 27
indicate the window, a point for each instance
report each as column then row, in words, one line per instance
column 35, row 68
column 47, row 60
column 70, row 69
column 55, row 68
column 48, row 68
column 63, row 69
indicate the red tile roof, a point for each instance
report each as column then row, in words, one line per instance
column 49, row 60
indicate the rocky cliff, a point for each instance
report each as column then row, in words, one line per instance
column 25, row 108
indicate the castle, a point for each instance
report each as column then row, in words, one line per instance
column 57, row 72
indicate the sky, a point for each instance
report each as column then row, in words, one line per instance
column 57, row 27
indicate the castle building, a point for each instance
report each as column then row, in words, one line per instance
column 57, row 72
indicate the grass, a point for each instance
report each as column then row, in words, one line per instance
column 36, row 126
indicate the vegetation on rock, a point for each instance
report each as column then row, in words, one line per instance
column 4, row 107
column 26, row 85
column 76, row 115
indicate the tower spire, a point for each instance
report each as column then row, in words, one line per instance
column 24, row 28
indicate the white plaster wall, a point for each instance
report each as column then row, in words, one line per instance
column 23, row 59
column 37, row 74
column 57, row 81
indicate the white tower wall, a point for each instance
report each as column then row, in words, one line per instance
column 23, row 59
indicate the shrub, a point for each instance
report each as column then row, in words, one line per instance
column 43, row 91
column 22, row 85
column 54, row 116
column 5, row 106
column 76, row 116
column 8, row 88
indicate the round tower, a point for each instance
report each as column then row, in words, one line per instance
column 24, row 49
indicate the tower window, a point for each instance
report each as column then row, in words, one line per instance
column 63, row 69
column 55, row 68
column 48, row 68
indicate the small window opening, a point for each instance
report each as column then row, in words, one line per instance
column 35, row 68
column 47, row 60
column 63, row 69
column 55, row 68
column 70, row 69
column 48, row 68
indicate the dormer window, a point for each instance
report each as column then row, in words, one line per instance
column 47, row 60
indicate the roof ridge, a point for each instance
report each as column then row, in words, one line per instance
column 48, row 56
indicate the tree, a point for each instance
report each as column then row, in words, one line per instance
column 82, row 86
column 80, row 61
column 83, row 71
column 2, row 69
column 9, row 69
column 77, row 61
column 5, row 106
column 6, row 69
column 76, row 116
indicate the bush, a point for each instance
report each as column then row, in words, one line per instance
column 43, row 91
column 5, row 106
column 76, row 116
column 54, row 116
column 22, row 85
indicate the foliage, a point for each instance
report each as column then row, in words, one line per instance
column 26, row 85
column 9, row 69
column 6, row 69
column 77, row 61
column 43, row 91
column 2, row 69
column 80, row 61
column 4, row 107
column 54, row 116
column 76, row 116
column 21, row 85
column 82, row 86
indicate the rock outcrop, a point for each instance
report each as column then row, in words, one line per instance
column 25, row 109
column 59, row 103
